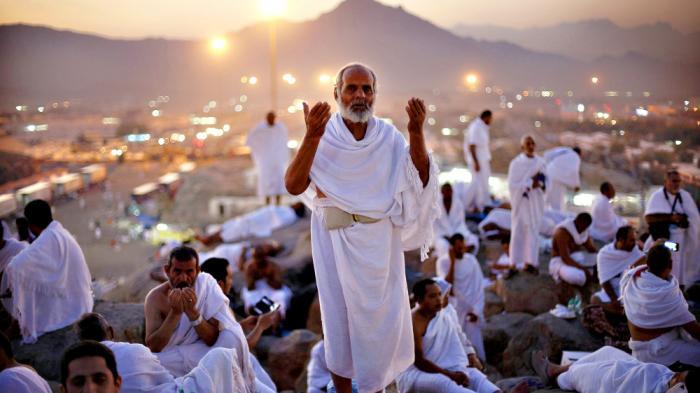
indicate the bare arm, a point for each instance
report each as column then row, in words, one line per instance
column 242, row 259
column 563, row 249
column 426, row 365
column 451, row 272
column 656, row 218
column 264, row 322
column 159, row 329
column 419, row 153
column 589, row 246
column 607, row 287
column 297, row 179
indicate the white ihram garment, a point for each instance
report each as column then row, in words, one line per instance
column 268, row 146
column 478, row 134
column 22, row 379
column 605, row 221
column 528, row 208
column 686, row 263
column 651, row 302
column 467, row 296
column 50, row 283
column 360, row 269
column 258, row 223
column 563, row 171
column 560, row 270
column 443, row 346
column 317, row 374
column 612, row 263
column 450, row 223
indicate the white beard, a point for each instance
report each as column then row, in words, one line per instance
column 353, row 116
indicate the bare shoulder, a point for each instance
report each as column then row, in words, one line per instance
column 419, row 323
column 157, row 297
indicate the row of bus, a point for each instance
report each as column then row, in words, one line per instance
column 54, row 188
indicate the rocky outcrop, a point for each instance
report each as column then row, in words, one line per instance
column 493, row 304
column 287, row 358
column 528, row 293
column 498, row 332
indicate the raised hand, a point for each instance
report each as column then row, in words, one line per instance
column 189, row 303
column 175, row 301
column 416, row 115
column 316, row 119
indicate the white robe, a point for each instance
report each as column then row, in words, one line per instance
column 563, row 171
column 444, row 347
column 612, row 370
column 268, row 145
column 478, row 134
column 360, row 269
column 22, row 379
column 651, row 302
column 185, row 349
column 468, row 296
column 258, row 223
column 228, row 251
column 528, row 208
column 605, row 221
column 317, row 374
column 50, row 283
column 450, row 223
column 561, row 271
column 612, row 263
column 686, row 264
column 11, row 248
column 282, row 296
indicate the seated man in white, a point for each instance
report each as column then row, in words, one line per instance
column 441, row 363
column 187, row 315
column 222, row 272
column 569, row 263
column 49, row 280
column 663, row 330
column 9, row 247
column 605, row 221
column 16, row 377
column 612, row 370
column 614, row 260
column 502, row 265
column 264, row 278
column 451, row 221
column 258, row 223
column 462, row 270
column 317, row 373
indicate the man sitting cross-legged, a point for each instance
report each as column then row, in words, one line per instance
column 264, row 278
column 441, row 363
column 569, row 263
column 187, row 315
column 612, row 370
column 663, row 330
column 142, row 372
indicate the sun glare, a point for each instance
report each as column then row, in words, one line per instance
column 273, row 8
column 218, row 44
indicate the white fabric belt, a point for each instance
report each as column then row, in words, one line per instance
column 336, row 218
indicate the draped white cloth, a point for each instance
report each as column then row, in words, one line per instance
column 686, row 265
column 478, row 134
column 317, row 374
column 281, row 296
column 268, row 146
column 11, row 248
column 228, row 251
column 185, row 349
column 612, row 263
column 140, row 369
column 570, row 227
column 449, row 223
column 259, row 223
column 605, row 221
column 217, row 372
column 468, row 295
column 50, row 283
column 22, row 379
column 498, row 216
column 443, row 346
column 360, row 269
column 652, row 302
column 528, row 208
column 612, row 370
column 563, row 171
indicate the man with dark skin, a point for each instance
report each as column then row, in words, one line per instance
column 563, row 246
column 166, row 303
column 355, row 95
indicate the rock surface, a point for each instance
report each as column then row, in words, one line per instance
column 528, row 293
column 287, row 358
column 549, row 333
column 498, row 332
column 493, row 304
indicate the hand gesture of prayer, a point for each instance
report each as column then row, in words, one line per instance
column 175, row 301
column 316, row 119
column 416, row 115
column 189, row 303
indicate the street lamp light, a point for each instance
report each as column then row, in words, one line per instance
column 218, row 45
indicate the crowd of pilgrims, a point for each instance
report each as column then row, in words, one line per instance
column 631, row 285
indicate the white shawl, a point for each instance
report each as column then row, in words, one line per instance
column 569, row 226
column 651, row 302
column 453, row 221
column 22, row 379
column 50, row 283
column 217, row 372
column 605, row 221
column 318, row 375
column 613, row 262
column 376, row 177
column 140, row 369
column 563, row 166
column 527, row 202
column 468, row 286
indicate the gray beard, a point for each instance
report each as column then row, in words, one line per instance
column 353, row 116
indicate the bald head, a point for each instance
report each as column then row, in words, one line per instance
column 354, row 92
column 527, row 145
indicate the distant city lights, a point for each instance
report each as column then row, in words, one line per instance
column 253, row 80
column 641, row 112
column 203, row 120
column 580, row 108
column 595, row 80
column 155, row 113
column 110, row 121
column 36, row 127
column 289, row 78
column 135, row 138
column 472, row 79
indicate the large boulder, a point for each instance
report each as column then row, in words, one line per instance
column 498, row 332
column 528, row 293
column 287, row 359
column 45, row 355
column 493, row 304
column 550, row 334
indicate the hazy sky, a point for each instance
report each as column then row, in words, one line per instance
column 204, row 18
